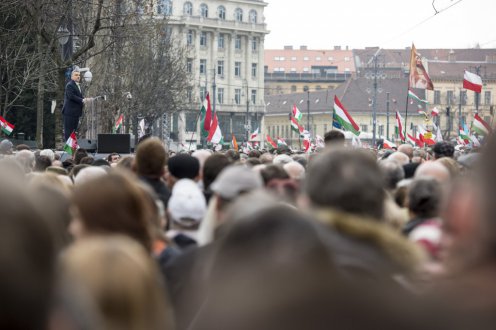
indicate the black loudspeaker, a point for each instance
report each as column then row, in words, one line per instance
column 88, row 144
column 120, row 143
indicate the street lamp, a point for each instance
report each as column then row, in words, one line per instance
column 306, row 89
column 247, row 121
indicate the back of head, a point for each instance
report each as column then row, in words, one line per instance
column 432, row 169
column 184, row 166
column 424, row 198
column 151, row 158
column 334, row 137
column 407, row 149
column 27, row 258
column 49, row 153
column 212, row 167
column 347, row 180
column 392, row 172
column 26, row 159
column 234, row 181
column 271, row 172
column 42, row 163
column 399, row 157
column 443, row 149
column 121, row 280
column 266, row 158
column 80, row 154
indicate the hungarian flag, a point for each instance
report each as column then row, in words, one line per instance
column 418, row 74
column 435, row 112
column 386, row 144
column 413, row 141
column 399, row 126
column 271, row 142
column 7, row 127
column 71, row 145
column 474, row 140
column 296, row 113
column 342, row 119
column 472, row 82
column 306, row 144
column 234, row 143
column 206, row 116
column 426, row 136
column 214, row 135
column 281, row 142
column 480, row 126
column 118, row 123
column 463, row 135
column 319, row 141
column 295, row 125
column 414, row 96
column 254, row 134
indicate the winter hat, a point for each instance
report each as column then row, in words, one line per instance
column 184, row 166
column 187, row 205
column 234, row 180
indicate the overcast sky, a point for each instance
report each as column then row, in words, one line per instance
column 321, row 24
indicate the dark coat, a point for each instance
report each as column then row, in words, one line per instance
column 73, row 100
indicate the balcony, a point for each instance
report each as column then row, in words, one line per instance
column 315, row 77
column 217, row 23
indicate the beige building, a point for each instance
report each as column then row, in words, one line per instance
column 356, row 95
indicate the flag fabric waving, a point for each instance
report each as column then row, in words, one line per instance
column 271, row 142
column 7, row 127
column 435, row 112
column 426, row 136
column 480, row 126
column 419, row 78
column 472, row 82
column 254, row 134
column 118, row 124
column 463, row 135
column 206, row 116
column 296, row 126
column 399, row 126
column 386, row 144
column 414, row 96
column 413, row 141
column 296, row 113
column 71, row 145
column 234, row 143
column 214, row 135
column 342, row 119
column 281, row 142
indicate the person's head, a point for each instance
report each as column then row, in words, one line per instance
column 182, row 166
column 424, row 198
column 27, row 256
column 407, row 149
column 87, row 160
column 151, row 158
column 346, row 180
column 111, row 204
column 126, row 163
column 42, row 163
column 399, row 157
column 212, row 167
column 392, row 173
column 6, row 147
column 443, row 149
column 452, row 165
column 187, row 205
column 120, row 282
column 334, row 137
column 75, row 76
column 233, row 155
column 434, row 170
column 113, row 158
column 295, row 170
column 49, row 153
column 266, row 158
column 273, row 172
column 25, row 159
column 282, row 159
column 87, row 173
column 79, row 154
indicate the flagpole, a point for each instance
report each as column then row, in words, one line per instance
column 192, row 133
column 406, row 106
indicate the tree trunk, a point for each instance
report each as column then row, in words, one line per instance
column 41, row 94
column 59, row 143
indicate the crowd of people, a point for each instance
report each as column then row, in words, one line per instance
column 343, row 238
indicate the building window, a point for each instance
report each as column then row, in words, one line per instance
column 254, row 44
column 220, row 95
column 189, row 94
column 190, row 118
column 164, row 7
column 317, row 58
column 487, row 97
column 189, row 65
column 254, row 96
column 238, row 14
column 293, row 88
column 237, row 96
column 189, row 38
column 220, row 68
column 437, row 97
column 254, row 70
column 237, row 69
column 305, row 58
column 203, row 93
column 305, row 69
column 253, row 16
column 221, row 12
column 381, row 130
column 449, row 98
column 188, row 8
column 203, row 10
column 237, row 43
column 318, row 88
column 463, row 100
column 203, row 39
column 364, row 128
column 330, row 58
column 293, row 70
column 203, row 66
column 220, row 41
column 346, row 59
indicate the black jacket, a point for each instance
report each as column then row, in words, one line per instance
column 73, row 100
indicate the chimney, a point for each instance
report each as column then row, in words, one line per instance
column 288, row 47
column 337, row 47
column 303, row 47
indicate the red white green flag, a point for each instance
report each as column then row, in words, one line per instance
column 414, row 96
column 71, row 145
column 281, row 142
column 271, row 142
column 296, row 113
column 118, row 123
column 480, row 126
column 7, row 127
column 463, row 135
column 399, row 126
column 426, row 136
column 214, row 135
column 206, row 116
column 386, row 144
column 413, row 141
column 342, row 119
column 296, row 126
column 234, row 143
column 254, row 134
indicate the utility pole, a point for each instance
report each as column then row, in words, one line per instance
column 460, row 121
column 247, row 126
column 387, row 115
column 307, row 89
column 374, row 104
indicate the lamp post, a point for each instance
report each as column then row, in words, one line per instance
column 306, row 89
column 247, row 122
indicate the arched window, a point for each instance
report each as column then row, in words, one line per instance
column 253, row 16
column 221, row 12
column 188, row 8
column 204, row 10
column 164, row 7
column 238, row 14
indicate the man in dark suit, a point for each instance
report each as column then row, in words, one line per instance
column 73, row 104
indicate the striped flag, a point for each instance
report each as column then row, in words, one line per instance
column 234, row 143
column 480, row 126
column 206, row 116
column 254, row 134
column 7, row 127
column 413, row 141
column 281, row 142
column 414, row 96
column 214, row 135
column 118, row 124
column 386, row 144
column 71, row 145
column 472, row 82
column 296, row 113
column 399, row 126
column 342, row 119
column 295, row 125
column 271, row 142
column 463, row 135
column 434, row 112
column 426, row 136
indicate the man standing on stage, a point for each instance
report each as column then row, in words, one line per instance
column 73, row 104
